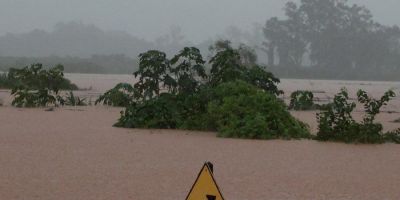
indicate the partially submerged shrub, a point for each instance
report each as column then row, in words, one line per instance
column 36, row 86
column 234, row 109
column 193, row 110
column 122, row 95
column 302, row 100
column 225, row 67
column 153, row 73
column 325, row 107
column 237, row 100
column 65, row 84
column 188, row 70
column 229, row 65
column 158, row 112
column 393, row 136
column 34, row 76
column 33, row 98
column 71, row 100
column 243, row 111
column 6, row 82
column 337, row 123
column 259, row 77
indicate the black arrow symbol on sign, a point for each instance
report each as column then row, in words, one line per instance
column 211, row 197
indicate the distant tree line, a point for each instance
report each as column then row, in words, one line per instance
column 332, row 38
column 325, row 39
column 103, row 64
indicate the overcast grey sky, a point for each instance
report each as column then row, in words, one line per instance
column 199, row 19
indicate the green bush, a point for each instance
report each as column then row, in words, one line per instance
column 234, row 109
column 393, row 136
column 229, row 64
column 154, row 74
column 66, row 84
column 9, row 81
column 158, row 112
column 193, row 110
column 188, row 70
column 225, row 67
column 259, row 77
column 241, row 110
column 337, row 124
column 5, row 82
column 167, row 111
column 122, row 95
column 235, row 99
column 35, row 76
column 36, row 87
column 32, row 98
column 302, row 100
column 71, row 100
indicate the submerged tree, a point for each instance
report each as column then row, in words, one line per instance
column 153, row 74
column 231, row 64
column 188, row 68
column 35, row 86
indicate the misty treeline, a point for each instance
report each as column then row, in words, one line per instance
column 102, row 64
column 83, row 48
column 331, row 38
column 327, row 39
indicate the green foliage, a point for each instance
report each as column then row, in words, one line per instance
column 189, row 67
column 263, row 79
column 302, row 100
column 37, row 87
column 337, row 123
column 225, row 67
column 234, row 109
column 158, row 112
column 324, row 107
column 66, row 84
column 372, row 106
column 240, row 110
column 229, row 64
column 35, row 77
column 6, row 82
column 153, row 74
column 193, row 110
column 72, row 100
column 239, row 99
column 122, row 95
column 27, row 98
column 393, row 136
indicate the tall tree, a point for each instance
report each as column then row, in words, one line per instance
column 338, row 36
column 153, row 74
column 188, row 67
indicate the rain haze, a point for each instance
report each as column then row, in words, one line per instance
column 107, row 36
column 149, row 19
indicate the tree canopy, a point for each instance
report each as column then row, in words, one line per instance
column 331, row 34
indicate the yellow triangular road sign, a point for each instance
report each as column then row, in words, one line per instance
column 205, row 187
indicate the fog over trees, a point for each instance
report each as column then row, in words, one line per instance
column 334, row 36
column 305, row 39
